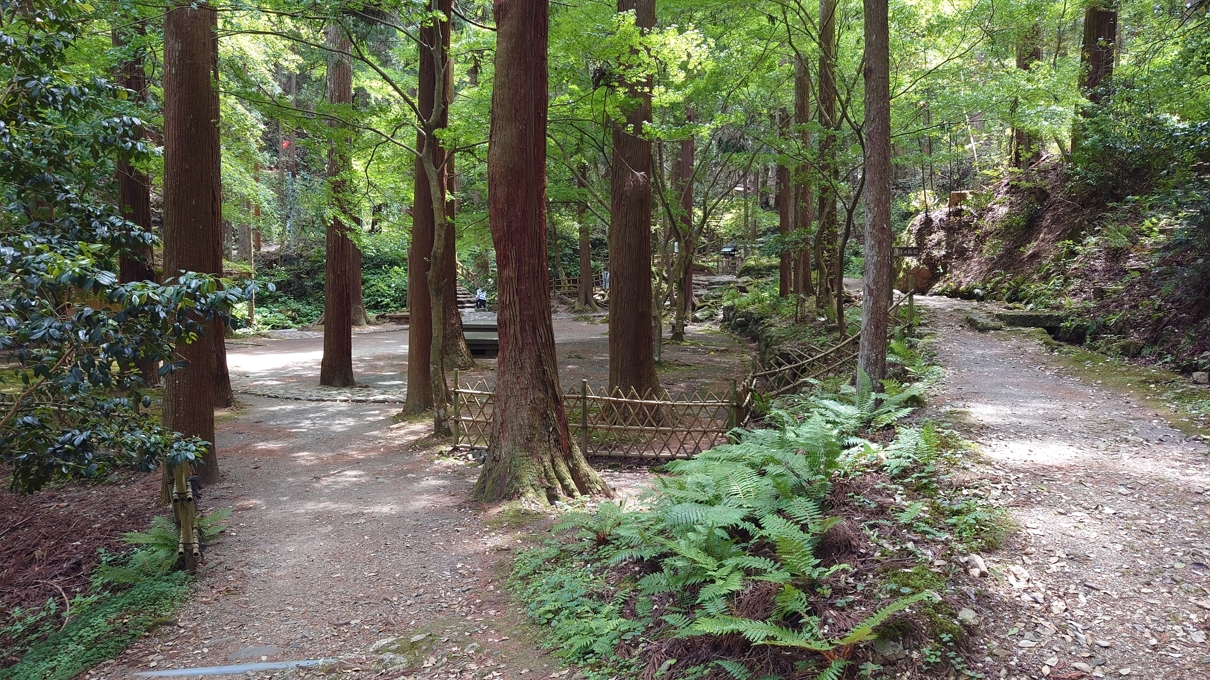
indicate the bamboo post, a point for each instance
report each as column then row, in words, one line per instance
column 457, row 409
column 733, row 417
column 584, row 417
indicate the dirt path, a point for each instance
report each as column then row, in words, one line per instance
column 351, row 529
column 1108, row 575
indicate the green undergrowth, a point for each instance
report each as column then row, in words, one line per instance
column 784, row 554
column 130, row 595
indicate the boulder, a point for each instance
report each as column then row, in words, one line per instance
column 983, row 323
column 1032, row 319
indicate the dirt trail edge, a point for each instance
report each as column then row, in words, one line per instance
column 1107, row 575
column 348, row 530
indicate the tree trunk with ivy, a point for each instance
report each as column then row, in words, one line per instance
column 532, row 454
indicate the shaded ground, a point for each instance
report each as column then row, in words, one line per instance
column 1110, row 572
column 49, row 541
column 351, row 528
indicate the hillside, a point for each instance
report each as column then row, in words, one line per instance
column 1130, row 272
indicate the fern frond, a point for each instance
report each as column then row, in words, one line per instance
column 865, row 630
column 734, row 669
column 833, row 671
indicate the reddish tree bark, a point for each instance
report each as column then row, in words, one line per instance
column 631, row 358
column 532, row 453
column 192, row 207
column 1025, row 151
column 827, row 251
column 336, row 368
column 134, row 191
column 877, row 290
column 1099, row 45
column 224, row 396
column 426, row 334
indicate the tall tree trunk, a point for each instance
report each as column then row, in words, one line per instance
column 877, row 289
column 532, row 453
column 1025, row 151
column 457, row 353
column 631, row 358
column 434, row 39
column 828, row 251
column 785, row 214
column 336, row 368
column 584, row 298
column 1097, row 54
column 191, row 210
column 134, row 191
column 421, row 327
column 803, row 210
column 357, row 303
column 224, row 396
column 683, row 270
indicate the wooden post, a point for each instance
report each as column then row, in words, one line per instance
column 584, row 417
column 911, row 320
column 733, row 418
column 457, row 409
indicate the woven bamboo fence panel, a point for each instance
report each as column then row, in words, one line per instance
column 616, row 424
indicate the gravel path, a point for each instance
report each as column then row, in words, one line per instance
column 1108, row 575
column 352, row 529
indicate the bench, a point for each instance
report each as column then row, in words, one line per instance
column 393, row 317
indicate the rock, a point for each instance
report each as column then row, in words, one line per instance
column 976, row 566
column 1058, row 607
column 1032, row 319
column 1124, row 671
column 1082, row 667
column 1198, row 636
column 983, row 323
column 888, row 651
column 968, row 616
column 1201, row 377
column 1102, row 643
column 1027, row 644
column 254, row 653
column 1052, row 661
column 1128, row 348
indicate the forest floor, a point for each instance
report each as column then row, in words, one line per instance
column 352, row 527
column 1109, row 570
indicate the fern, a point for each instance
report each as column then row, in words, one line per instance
column 157, row 552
